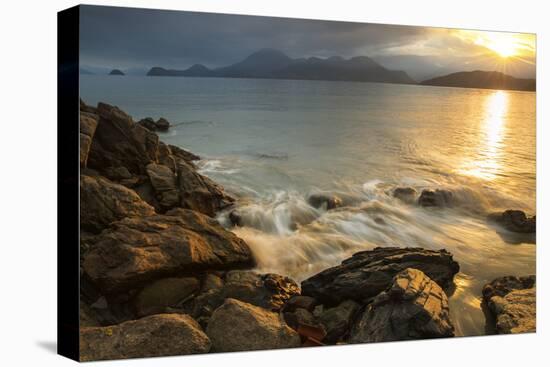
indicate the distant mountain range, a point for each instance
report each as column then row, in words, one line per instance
column 274, row 64
column 482, row 79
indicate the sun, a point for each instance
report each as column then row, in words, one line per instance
column 503, row 44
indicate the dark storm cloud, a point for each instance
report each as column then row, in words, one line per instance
column 124, row 37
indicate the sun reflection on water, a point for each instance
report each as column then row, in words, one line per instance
column 487, row 164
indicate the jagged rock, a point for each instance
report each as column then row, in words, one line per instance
column 163, row 293
column 152, row 336
column 406, row 194
column 162, row 124
column 164, row 184
column 183, row 154
column 239, row 326
column 135, row 251
column 198, row 192
column 269, row 291
column 103, row 202
column 368, row 273
column 337, row 320
column 437, row 198
column 165, row 156
column 512, row 302
column 327, row 202
column 412, row 307
column 118, row 142
column 88, row 125
column 515, row 221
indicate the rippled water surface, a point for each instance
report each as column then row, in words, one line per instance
column 271, row 143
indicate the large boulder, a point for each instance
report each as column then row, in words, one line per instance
column 515, row 221
column 413, row 307
column 118, row 141
column 88, row 125
column 162, row 124
column 164, row 184
column 368, row 273
column 269, row 291
column 153, row 336
column 239, row 326
column 198, row 192
column 337, row 320
column 103, row 202
column 436, row 198
column 405, row 194
column 165, row 293
column 134, row 251
column 512, row 303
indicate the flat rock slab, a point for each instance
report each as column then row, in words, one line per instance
column 135, row 251
column 153, row 336
column 368, row 273
column 413, row 307
column 239, row 326
column 512, row 302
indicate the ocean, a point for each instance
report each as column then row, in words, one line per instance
column 272, row 143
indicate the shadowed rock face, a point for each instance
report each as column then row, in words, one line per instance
column 413, row 307
column 237, row 326
column 515, row 221
column 165, row 293
column 88, row 125
column 512, row 302
column 135, row 251
column 368, row 273
column 153, row 336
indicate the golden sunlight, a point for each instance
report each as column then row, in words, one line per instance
column 503, row 44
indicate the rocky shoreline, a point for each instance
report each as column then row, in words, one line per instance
column 160, row 276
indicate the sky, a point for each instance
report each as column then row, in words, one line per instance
column 134, row 40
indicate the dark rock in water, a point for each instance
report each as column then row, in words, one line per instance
column 135, row 251
column 161, row 294
column 337, row 320
column 116, row 72
column 103, row 202
column 269, row 291
column 239, row 326
column 162, row 124
column 512, row 303
column 152, row 336
column 515, row 221
column 406, row 194
column 183, row 154
column 327, row 202
column 412, row 307
column 88, row 125
column 235, row 218
column 198, row 192
column 148, row 123
column 437, row 198
column 164, row 183
column 368, row 273
column 118, row 142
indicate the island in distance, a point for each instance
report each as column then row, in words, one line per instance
column 116, row 72
column 482, row 79
column 274, row 64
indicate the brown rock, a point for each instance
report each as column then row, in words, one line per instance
column 515, row 221
column 406, row 194
column 325, row 201
column 239, row 326
column 88, row 125
column 437, row 198
column 163, row 293
column 135, row 251
column 153, row 336
column 164, row 183
column 337, row 320
column 183, row 154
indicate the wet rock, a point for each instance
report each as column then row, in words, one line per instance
column 152, row 336
column 135, row 251
column 512, row 303
column 437, row 198
column 406, row 194
column 88, row 125
column 515, row 221
column 164, row 184
column 269, row 291
column 412, row 307
column 161, row 294
column 337, row 320
column 235, row 218
column 198, row 192
column 183, row 154
column 368, row 273
column 148, row 123
column 162, row 124
column 119, row 142
column 103, row 202
column 239, row 326
column 325, row 201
